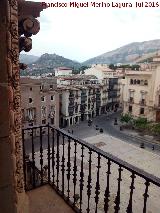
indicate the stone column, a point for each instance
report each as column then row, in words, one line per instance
column 12, row 194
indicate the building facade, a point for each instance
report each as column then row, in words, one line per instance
column 141, row 94
column 101, row 71
column 88, row 99
column 40, row 102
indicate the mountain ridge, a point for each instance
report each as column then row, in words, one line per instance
column 127, row 53
column 28, row 59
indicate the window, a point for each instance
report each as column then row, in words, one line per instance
column 41, row 87
column 141, row 111
column 143, row 96
column 145, row 82
column 30, row 100
column 142, row 82
column 138, row 81
column 51, row 86
column 52, row 121
column 31, row 113
column 131, row 81
column 43, row 111
column 43, row 121
column 52, row 97
column 135, row 81
column 42, row 98
column 30, row 88
column 131, row 96
column 130, row 109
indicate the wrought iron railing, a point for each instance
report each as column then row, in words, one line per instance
column 88, row 179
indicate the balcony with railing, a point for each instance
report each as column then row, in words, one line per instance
column 71, row 97
column 84, row 98
column 86, row 177
column 142, row 102
column 131, row 100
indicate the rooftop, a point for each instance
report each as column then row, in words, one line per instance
column 63, row 68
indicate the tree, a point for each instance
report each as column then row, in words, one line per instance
column 156, row 129
column 82, row 68
column 135, row 67
column 141, row 123
column 112, row 67
column 126, row 118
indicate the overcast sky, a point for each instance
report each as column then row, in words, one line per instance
column 80, row 34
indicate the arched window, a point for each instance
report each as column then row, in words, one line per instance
column 146, row 82
column 142, row 82
column 138, row 81
column 131, row 81
column 135, row 81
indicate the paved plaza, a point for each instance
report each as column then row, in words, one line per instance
column 106, row 122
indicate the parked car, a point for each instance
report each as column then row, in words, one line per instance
column 101, row 130
column 97, row 128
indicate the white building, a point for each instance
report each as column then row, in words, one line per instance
column 101, row 71
column 79, row 102
column 63, row 71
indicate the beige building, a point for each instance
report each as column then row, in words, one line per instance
column 40, row 102
column 141, row 91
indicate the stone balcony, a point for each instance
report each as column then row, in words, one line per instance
column 45, row 200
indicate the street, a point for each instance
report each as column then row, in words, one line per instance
column 106, row 122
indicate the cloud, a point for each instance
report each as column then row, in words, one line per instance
column 83, row 33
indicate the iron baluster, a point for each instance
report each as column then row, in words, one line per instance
column 68, row 167
column 33, row 162
column 107, row 192
column 57, row 156
column 63, row 165
column 117, row 200
column 129, row 208
column 53, row 157
column 97, row 192
column 81, row 178
column 145, row 195
column 49, row 157
column 89, row 186
column 75, row 171
column 41, row 155
column 37, row 172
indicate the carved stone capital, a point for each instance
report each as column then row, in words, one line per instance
column 28, row 26
column 25, row 44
